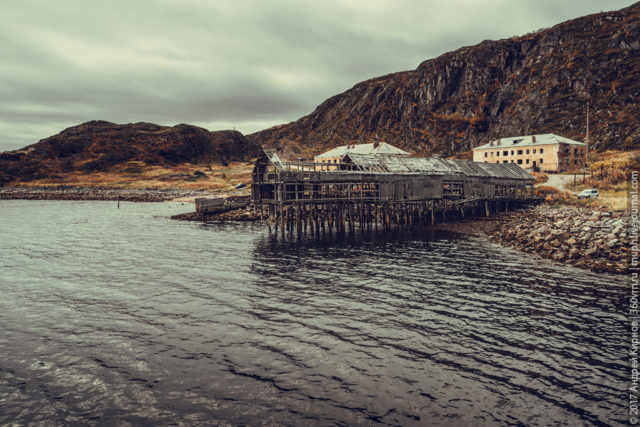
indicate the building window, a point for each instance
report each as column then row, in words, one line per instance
column 575, row 161
column 541, row 150
column 486, row 154
column 497, row 154
column 512, row 152
column 527, row 151
column 519, row 152
column 505, row 161
column 511, row 160
column 540, row 161
column 505, row 153
column 527, row 161
column 575, row 151
column 534, row 151
column 519, row 161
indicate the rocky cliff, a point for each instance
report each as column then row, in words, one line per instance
column 100, row 145
column 537, row 83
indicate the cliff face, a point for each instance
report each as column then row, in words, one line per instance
column 538, row 83
column 99, row 145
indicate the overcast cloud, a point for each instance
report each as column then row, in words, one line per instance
column 223, row 64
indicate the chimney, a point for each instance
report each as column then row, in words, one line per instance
column 533, row 139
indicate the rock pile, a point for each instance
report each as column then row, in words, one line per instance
column 593, row 239
column 242, row 214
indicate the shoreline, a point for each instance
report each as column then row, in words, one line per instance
column 595, row 240
column 585, row 238
column 70, row 192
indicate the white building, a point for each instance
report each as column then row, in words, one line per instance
column 379, row 148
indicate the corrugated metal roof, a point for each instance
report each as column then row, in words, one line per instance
column 382, row 148
column 434, row 166
column 273, row 157
column 527, row 141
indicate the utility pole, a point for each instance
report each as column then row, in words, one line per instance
column 587, row 137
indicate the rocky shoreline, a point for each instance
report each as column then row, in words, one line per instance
column 592, row 239
column 68, row 192
column 241, row 215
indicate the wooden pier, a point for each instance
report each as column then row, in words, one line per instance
column 374, row 192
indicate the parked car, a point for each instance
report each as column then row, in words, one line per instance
column 587, row 194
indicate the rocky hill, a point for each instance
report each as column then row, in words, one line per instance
column 537, row 83
column 100, row 145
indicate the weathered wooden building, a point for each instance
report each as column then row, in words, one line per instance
column 367, row 188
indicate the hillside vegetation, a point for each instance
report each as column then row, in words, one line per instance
column 121, row 153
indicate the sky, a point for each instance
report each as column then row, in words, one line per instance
column 239, row 64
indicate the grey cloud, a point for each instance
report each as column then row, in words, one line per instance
column 249, row 64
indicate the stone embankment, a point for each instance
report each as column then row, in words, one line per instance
column 66, row 192
column 587, row 238
column 242, row 214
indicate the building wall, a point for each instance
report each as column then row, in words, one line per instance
column 333, row 161
column 555, row 157
column 328, row 160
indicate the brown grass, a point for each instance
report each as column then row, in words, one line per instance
column 609, row 200
column 610, row 172
column 546, row 190
column 220, row 178
column 540, row 177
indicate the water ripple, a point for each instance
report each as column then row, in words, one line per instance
column 117, row 316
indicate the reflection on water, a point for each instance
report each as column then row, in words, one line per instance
column 125, row 316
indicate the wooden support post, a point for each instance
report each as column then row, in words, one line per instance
column 433, row 214
column 275, row 219
column 386, row 214
column 376, row 213
column 283, row 220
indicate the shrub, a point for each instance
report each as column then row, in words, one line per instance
column 552, row 194
column 134, row 166
column 606, row 174
column 541, row 177
column 545, row 190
